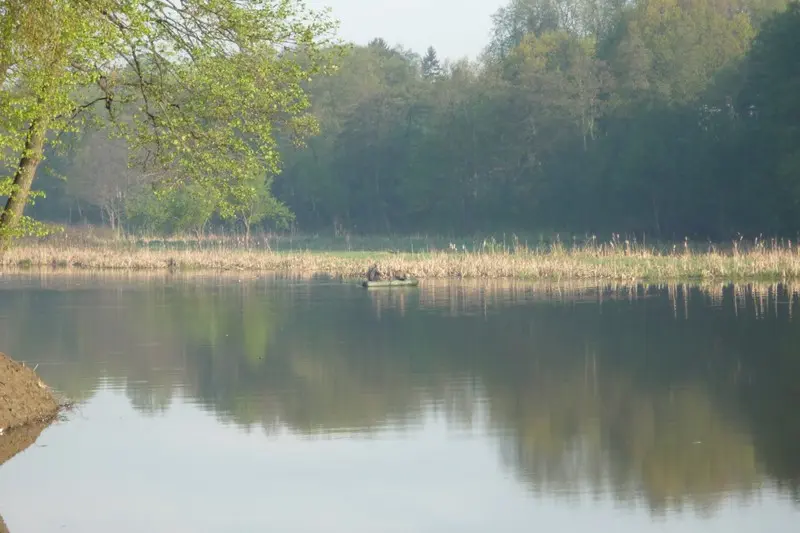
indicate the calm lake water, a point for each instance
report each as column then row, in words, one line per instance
column 210, row 405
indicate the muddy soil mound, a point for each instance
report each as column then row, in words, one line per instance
column 24, row 399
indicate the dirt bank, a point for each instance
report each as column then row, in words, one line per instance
column 24, row 398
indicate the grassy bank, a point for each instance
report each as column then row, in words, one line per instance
column 613, row 261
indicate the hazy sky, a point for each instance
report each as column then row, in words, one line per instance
column 456, row 28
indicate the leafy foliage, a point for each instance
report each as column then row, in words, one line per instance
column 259, row 205
column 582, row 117
column 198, row 88
column 175, row 211
column 663, row 118
column 26, row 226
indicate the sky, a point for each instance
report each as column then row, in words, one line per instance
column 456, row 28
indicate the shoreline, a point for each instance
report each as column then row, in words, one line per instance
column 26, row 400
column 600, row 265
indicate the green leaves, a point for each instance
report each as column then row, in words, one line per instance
column 687, row 44
column 646, row 116
column 202, row 86
column 583, row 116
column 26, row 226
column 212, row 119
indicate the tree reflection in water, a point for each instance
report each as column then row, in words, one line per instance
column 670, row 396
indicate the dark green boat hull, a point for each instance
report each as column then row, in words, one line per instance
column 390, row 283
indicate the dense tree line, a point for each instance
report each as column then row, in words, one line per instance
column 660, row 116
column 669, row 118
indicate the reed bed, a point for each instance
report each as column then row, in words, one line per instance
column 608, row 262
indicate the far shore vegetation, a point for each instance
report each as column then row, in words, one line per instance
column 675, row 122
column 549, row 257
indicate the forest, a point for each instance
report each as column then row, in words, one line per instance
column 669, row 119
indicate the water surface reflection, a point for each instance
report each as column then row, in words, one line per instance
column 642, row 402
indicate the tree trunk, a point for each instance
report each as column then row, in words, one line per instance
column 656, row 217
column 23, row 179
column 112, row 218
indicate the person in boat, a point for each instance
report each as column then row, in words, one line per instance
column 374, row 274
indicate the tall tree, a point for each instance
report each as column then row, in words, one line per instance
column 208, row 84
column 769, row 104
column 100, row 176
column 431, row 68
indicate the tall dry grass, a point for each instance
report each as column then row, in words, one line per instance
column 618, row 261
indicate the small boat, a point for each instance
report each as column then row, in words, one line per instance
column 390, row 283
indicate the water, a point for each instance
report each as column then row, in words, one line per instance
column 227, row 404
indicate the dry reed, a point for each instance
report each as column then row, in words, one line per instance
column 608, row 263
